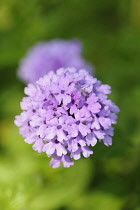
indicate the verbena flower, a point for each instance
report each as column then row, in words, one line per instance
column 47, row 56
column 65, row 114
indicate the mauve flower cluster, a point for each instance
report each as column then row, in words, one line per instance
column 65, row 113
column 47, row 56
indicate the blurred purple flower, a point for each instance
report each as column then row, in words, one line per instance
column 65, row 113
column 50, row 56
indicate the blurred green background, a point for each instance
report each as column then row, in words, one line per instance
column 110, row 178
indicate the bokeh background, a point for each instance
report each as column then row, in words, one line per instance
column 110, row 33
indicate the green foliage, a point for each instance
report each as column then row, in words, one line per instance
column 110, row 33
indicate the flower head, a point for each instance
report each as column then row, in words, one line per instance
column 47, row 56
column 65, row 113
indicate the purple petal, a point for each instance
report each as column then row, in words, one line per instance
column 86, row 152
column 113, row 117
column 61, row 120
column 51, row 132
column 53, row 122
column 35, row 121
column 94, row 108
column 77, row 154
column 83, row 129
column 41, row 131
column 49, row 148
column 30, row 90
column 73, row 130
column 25, row 131
column 61, row 135
column 18, row 121
column 38, row 146
column 99, row 134
column 84, row 112
column 74, row 145
column 70, row 88
column 66, row 99
column 55, row 163
column 26, row 104
column 92, row 99
column 60, row 150
column 82, row 142
column 105, row 89
column 73, row 109
column 95, row 124
column 31, row 139
column 105, row 122
column 91, row 140
column 67, row 162
column 69, row 120
column 107, row 140
column 54, row 88
column 59, row 98
column 63, row 82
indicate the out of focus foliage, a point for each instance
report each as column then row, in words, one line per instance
column 109, row 179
